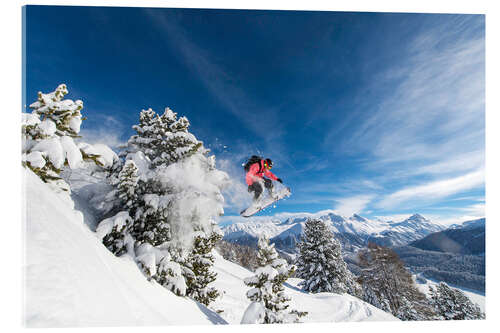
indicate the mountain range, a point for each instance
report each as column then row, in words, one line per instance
column 353, row 232
column 455, row 255
column 468, row 238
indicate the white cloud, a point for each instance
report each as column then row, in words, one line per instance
column 351, row 205
column 463, row 162
column 351, row 185
column 105, row 136
column 106, row 129
column 475, row 210
column 434, row 190
column 371, row 184
column 455, row 219
column 432, row 111
column 108, row 135
column 471, row 198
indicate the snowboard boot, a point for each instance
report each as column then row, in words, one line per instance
column 257, row 197
column 273, row 194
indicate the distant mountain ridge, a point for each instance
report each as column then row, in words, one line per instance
column 461, row 269
column 353, row 232
column 468, row 238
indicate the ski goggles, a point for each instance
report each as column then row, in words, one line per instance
column 269, row 167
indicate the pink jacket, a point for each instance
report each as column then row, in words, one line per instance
column 253, row 174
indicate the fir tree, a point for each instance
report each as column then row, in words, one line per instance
column 267, row 286
column 64, row 114
column 48, row 134
column 169, row 275
column 159, row 264
column 115, row 233
column 320, row 262
column 407, row 311
column 170, row 188
column 387, row 285
column 199, row 263
column 452, row 304
column 126, row 192
column 128, row 179
column 163, row 139
column 242, row 255
column 151, row 214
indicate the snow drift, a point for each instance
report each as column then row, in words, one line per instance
column 71, row 279
column 321, row 307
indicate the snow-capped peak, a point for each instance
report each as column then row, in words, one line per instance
column 417, row 217
column 358, row 229
column 357, row 217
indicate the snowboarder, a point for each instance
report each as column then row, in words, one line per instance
column 257, row 168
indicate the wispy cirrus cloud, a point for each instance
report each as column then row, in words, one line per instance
column 427, row 125
column 434, row 190
column 475, row 209
column 350, row 205
column 341, row 187
column 431, row 103
column 460, row 163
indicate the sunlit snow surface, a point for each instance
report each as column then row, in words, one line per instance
column 71, row 279
column 322, row 307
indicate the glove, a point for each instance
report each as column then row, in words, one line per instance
column 279, row 180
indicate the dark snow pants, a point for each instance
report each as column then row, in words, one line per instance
column 258, row 186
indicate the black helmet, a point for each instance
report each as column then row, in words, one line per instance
column 268, row 162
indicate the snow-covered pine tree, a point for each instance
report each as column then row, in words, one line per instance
column 128, row 179
column 387, row 285
column 48, row 134
column 242, row 255
column 407, row 311
column 151, row 213
column 64, row 114
column 115, row 233
column 163, row 139
column 157, row 144
column 199, row 263
column 452, row 304
column 117, row 229
column 320, row 262
column 176, row 196
column 267, row 288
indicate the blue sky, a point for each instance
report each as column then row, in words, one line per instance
column 375, row 113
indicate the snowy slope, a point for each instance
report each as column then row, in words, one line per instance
column 71, row 279
column 322, row 307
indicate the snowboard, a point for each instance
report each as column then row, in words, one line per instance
column 265, row 202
